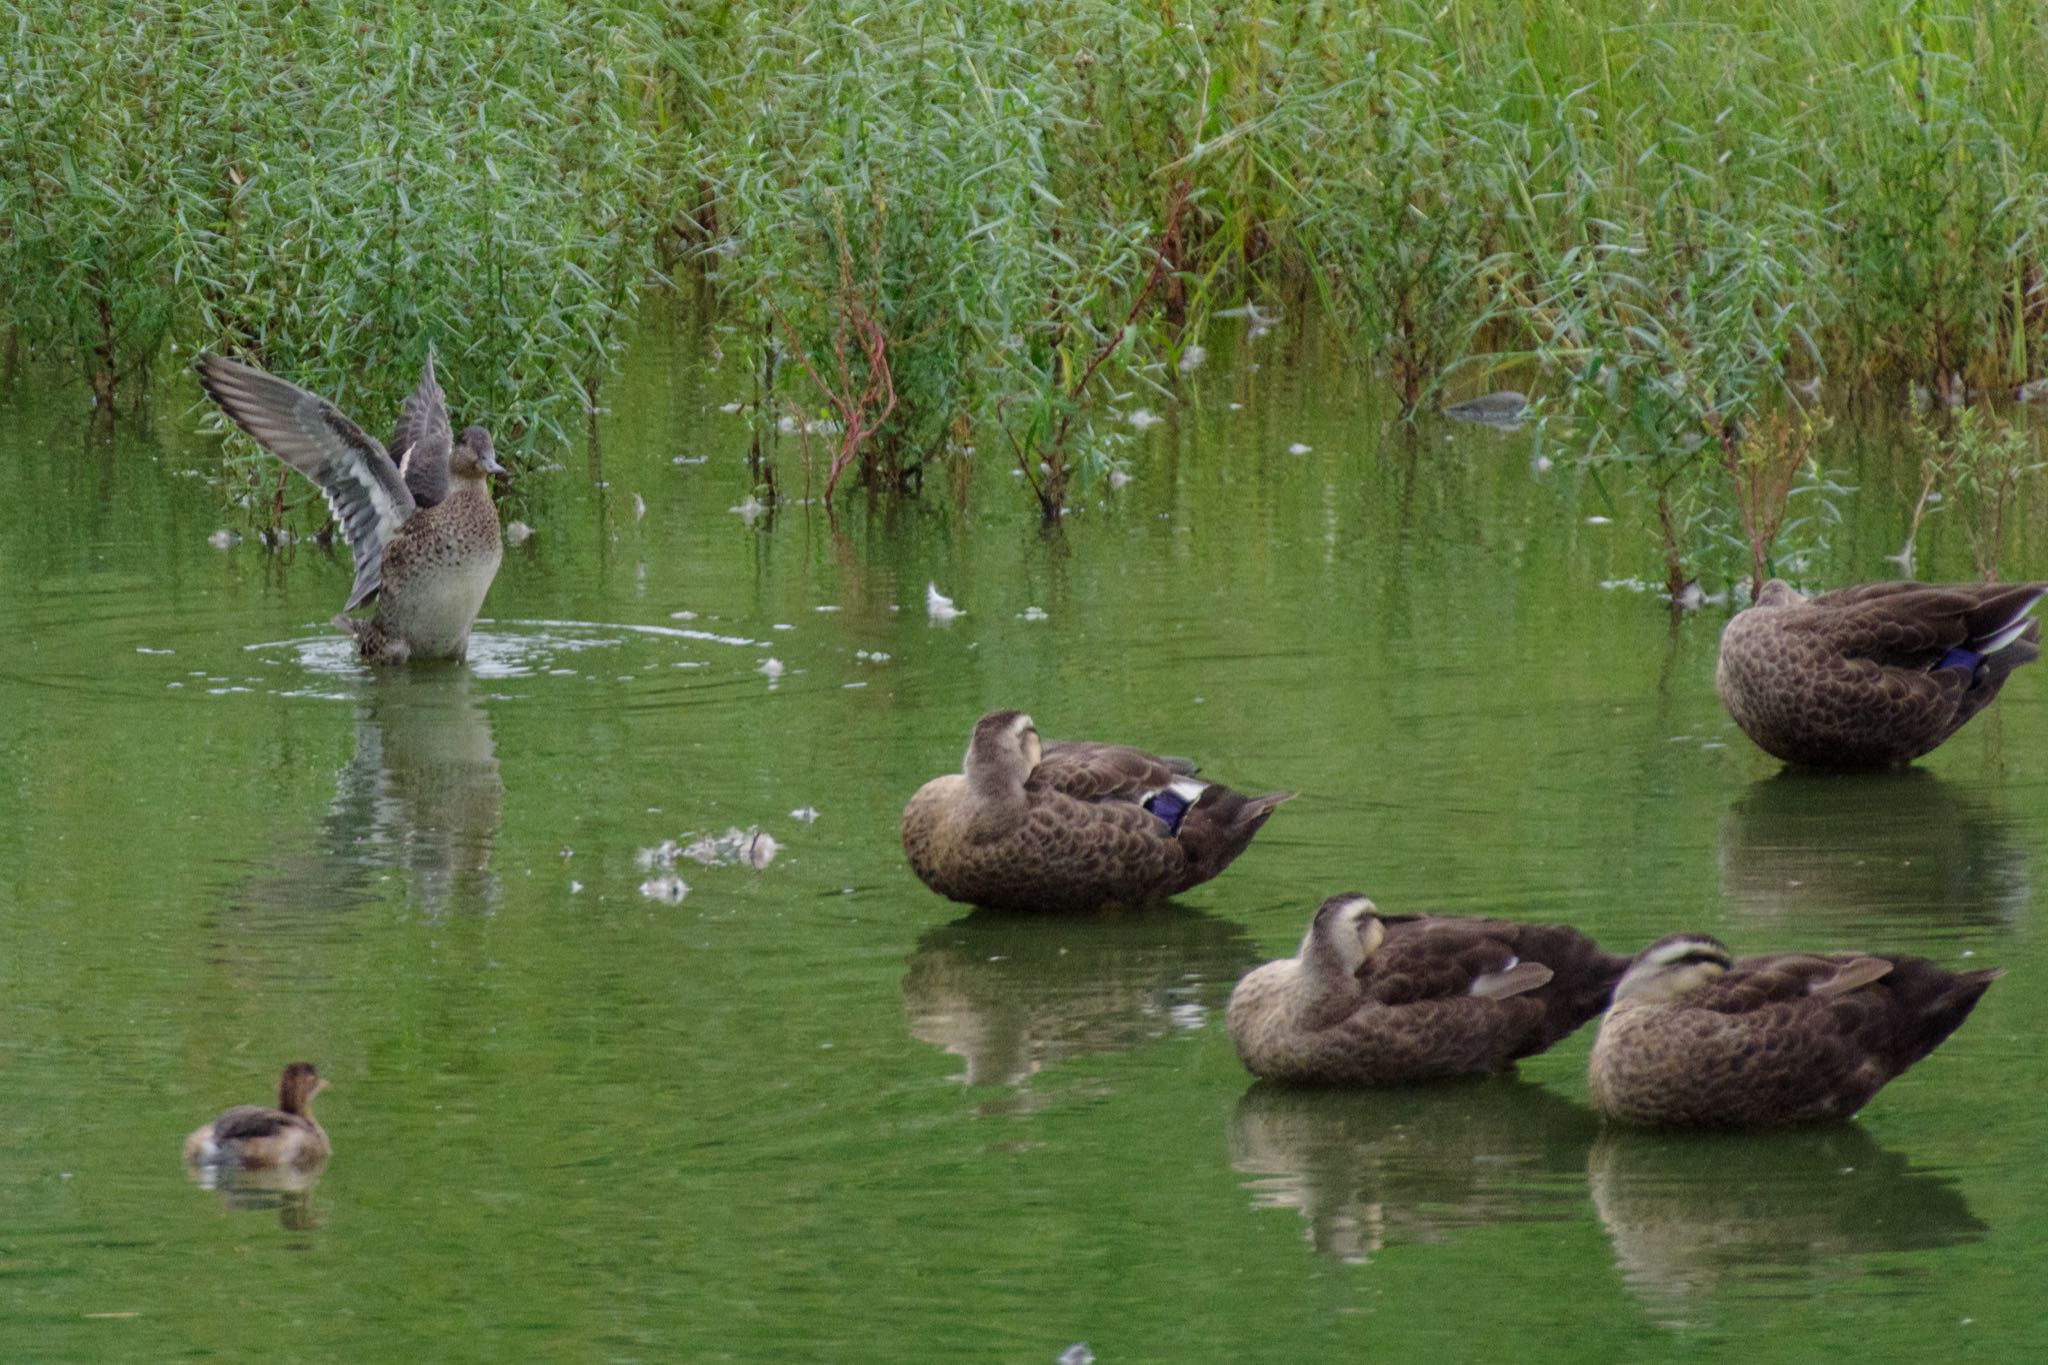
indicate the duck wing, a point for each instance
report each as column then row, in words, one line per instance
column 1429, row 957
column 361, row 484
column 1092, row 772
column 1917, row 625
column 423, row 439
column 250, row 1121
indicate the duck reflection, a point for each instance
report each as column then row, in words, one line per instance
column 422, row 796
column 1693, row 1212
column 1903, row 844
column 1369, row 1169
column 286, row 1189
column 1009, row 994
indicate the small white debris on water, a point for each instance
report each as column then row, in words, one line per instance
column 223, row 539
column 1237, row 407
column 750, row 511
column 1597, row 520
column 518, row 533
column 1142, row 418
column 806, row 814
column 1077, row 1354
column 1117, row 478
column 1191, row 359
column 874, row 656
column 575, row 887
column 639, row 507
column 782, row 625
column 1541, row 464
column 682, row 616
column 753, row 846
column 771, row 669
column 729, row 407
column 826, row 607
column 938, row 606
column 1032, row 614
column 1299, row 449
column 662, row 854
column 792, row 426
column 669, row 889
column 691, row 459
column 145, row 649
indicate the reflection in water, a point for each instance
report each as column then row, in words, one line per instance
column 1010, row 993
column 422, row 796
column 1697, row 1211
column 1368, row 1169
column 1904, row 843
column 287, row 1189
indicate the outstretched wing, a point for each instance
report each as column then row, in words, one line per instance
column 423, row 439
column 310, row 434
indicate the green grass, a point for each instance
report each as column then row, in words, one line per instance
column 937, row 228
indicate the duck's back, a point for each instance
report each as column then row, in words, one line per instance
column 1055, row 853
column 1774, row 1042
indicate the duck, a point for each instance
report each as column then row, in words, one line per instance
column 425, row 567
column 1074, row 826
column 254, row 1138
column 1696, row 1038
column 1501, row 407
column 1381, row 1000
column 1875, row 675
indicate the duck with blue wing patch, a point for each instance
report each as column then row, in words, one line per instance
column 1072, row 826
column 1875, row 675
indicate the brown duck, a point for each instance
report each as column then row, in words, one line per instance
column 1873, row 675
column 426, row 565
column 1374, row 999
column 1072, row 826
column 253, row 1137
column 1697, row 1039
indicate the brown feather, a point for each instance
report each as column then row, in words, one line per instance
column 1777, row 1039
column 1852, row 678
column 1410, row 1011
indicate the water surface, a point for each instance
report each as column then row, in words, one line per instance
column 807, row 1110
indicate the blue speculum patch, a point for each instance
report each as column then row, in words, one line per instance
column 1169, row 805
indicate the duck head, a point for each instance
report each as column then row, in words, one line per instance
column 1003, row 752
column 297, row 1086
column 1670, row 967
column 1343, row 934
column 474, row 457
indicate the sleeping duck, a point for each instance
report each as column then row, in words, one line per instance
column 1696, row 1038
column 1875, row 675
column 1072, row 826
column 1372, row 999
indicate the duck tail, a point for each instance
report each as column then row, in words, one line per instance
column 2000, row 617
column 1221, row 824
column 1937, row 1001
column 1585, row 975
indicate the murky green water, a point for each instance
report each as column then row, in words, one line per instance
column 810, row 1111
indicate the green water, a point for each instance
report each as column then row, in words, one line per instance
column 810, row 1111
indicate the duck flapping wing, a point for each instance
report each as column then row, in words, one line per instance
column 362, row 486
